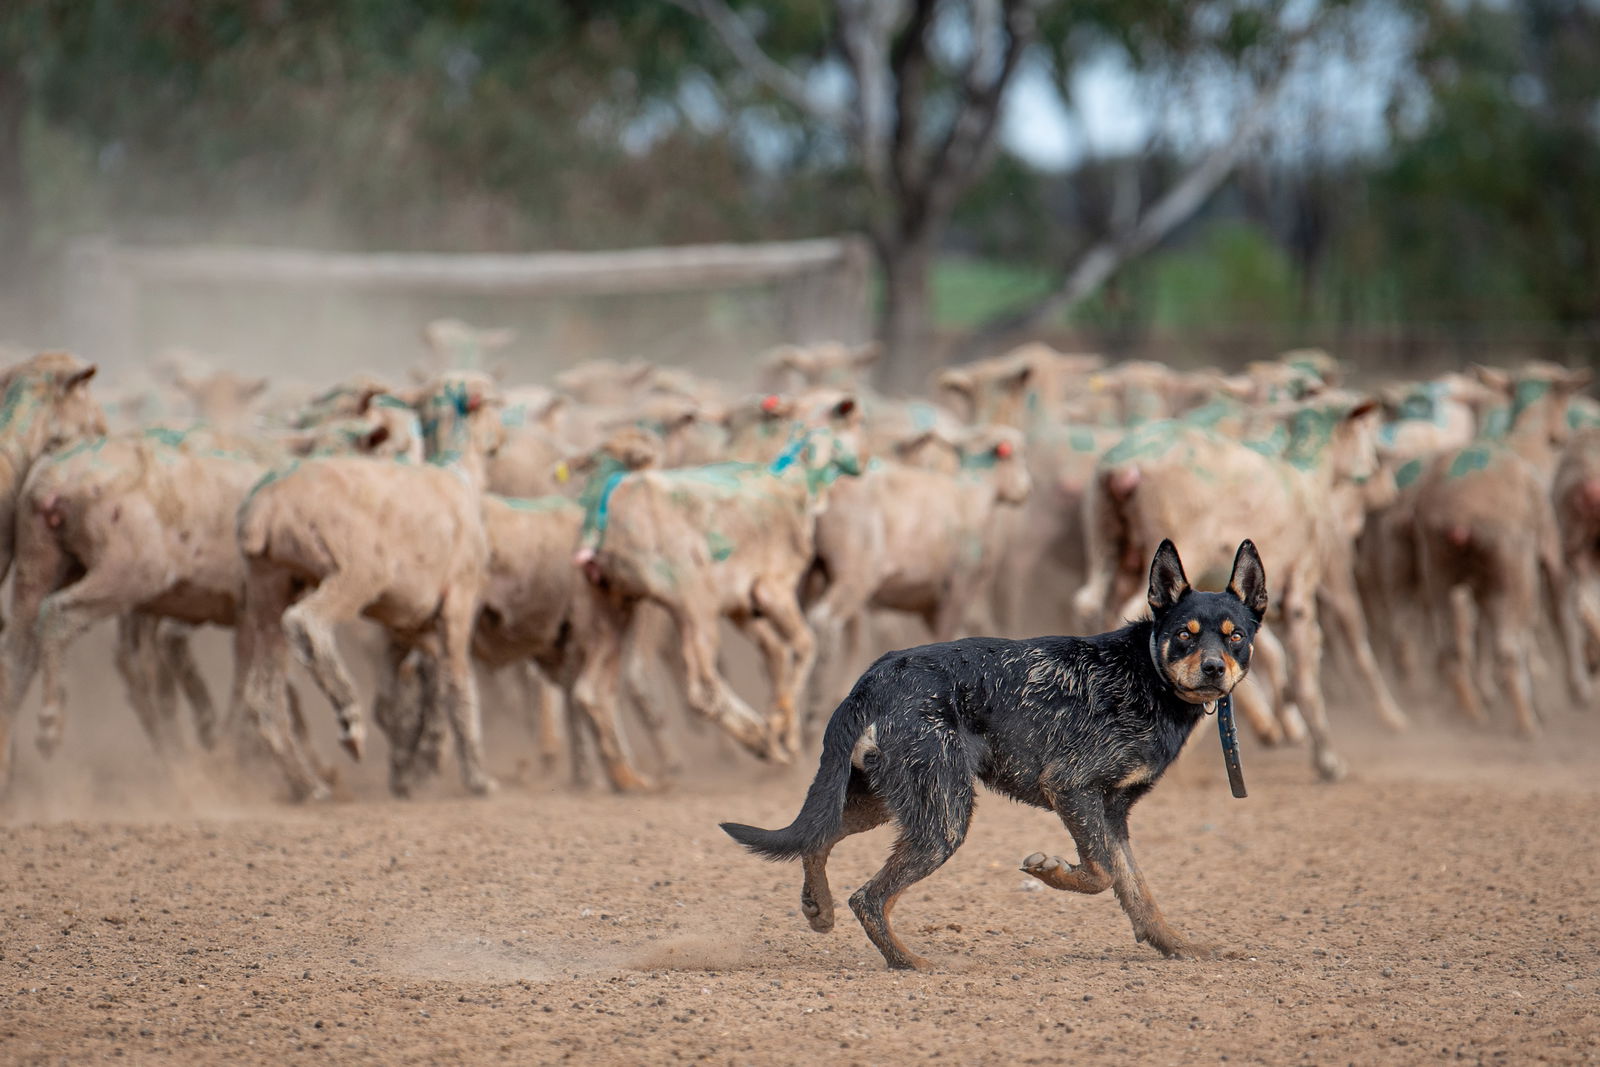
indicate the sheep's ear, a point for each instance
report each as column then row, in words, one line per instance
column 1494, row 377
column 1019, row 379
column 784, row 357
column 1365, row 407
column 378, row 435
column 1168, row 583
column 1249, row 579
column 79, row 377
column 867, row 354
column 957, row 381
column 907, row 445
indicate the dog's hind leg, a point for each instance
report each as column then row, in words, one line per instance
column 863, row 811
column 934, row 809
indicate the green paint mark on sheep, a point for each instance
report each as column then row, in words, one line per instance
column 1408, row 473
column 1475, row 458
column 166, row 435
column 1582, row 414
column 721, row 548
column 88, row 445
column 276, row 474
column 1310, row 433
column 16, row 400
column 538, row 503
column 1081, row 440
column 1151, row 439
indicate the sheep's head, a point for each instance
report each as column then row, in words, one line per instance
column 997, row 450
column 460, row 415
column 45, row 402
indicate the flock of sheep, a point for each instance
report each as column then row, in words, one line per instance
column 584, row 532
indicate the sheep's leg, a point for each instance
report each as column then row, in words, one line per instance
column 138, row 662
column 1338, row 595
column 1303, row 639
column 64, row 615
column 261, row 662
column 540, row 702
column 1588, row 607
column 1461, row 651
column 176, row 654
column 1510, row 610
column 398, row 708
column 708, row 692
column 791, row 663
column 593, row 693
column 42, row 567
column 309, row 626
column 835, row 622
column 639, row 652
column 302, row 735
column 458, row 692
column 1269, row 665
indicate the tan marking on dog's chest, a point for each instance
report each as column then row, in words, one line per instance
column 1138, row 776
column 867, row 742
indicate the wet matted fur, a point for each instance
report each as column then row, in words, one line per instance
column 1083, row 726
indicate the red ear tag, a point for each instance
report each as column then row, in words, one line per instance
column 1003, row 449
column 769, row 404
column 474, row 403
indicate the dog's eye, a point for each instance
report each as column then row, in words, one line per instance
column 1184, row 635
column 1236, row 637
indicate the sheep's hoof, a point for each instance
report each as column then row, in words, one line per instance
column 48, row 738
column 354, row 741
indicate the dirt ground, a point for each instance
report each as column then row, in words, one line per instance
column 1444, row 903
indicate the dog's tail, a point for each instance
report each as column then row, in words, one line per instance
column 822, row 815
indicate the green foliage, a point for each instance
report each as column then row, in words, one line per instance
column 1488, row 210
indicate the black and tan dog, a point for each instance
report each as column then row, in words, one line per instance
column 1083, row 726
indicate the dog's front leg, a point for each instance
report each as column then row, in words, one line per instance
column 1149, row 925
column 1083, row 816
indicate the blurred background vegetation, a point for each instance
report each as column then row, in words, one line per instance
column 1413, row 179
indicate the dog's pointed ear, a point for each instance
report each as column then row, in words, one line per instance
column 1168, row 583
column 1249, row 579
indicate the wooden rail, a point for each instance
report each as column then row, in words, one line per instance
column 823, row 282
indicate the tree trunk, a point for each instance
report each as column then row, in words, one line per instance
column 906, row 326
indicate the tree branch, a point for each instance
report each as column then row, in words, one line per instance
column 737, row 38
column 865, row 27
column 1096, row 266
column 910, row 64
column 970, row 140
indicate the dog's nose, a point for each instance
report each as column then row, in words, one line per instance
column 1212, row 667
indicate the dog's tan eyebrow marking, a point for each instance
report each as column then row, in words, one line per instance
column 1194, row 626
column 1227, row 627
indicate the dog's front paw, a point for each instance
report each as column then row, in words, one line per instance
column 1174, row 947
column 1041, row 866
